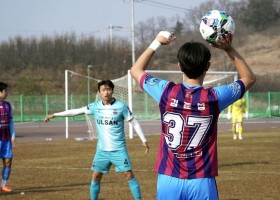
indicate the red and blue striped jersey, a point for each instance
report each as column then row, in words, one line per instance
column 5, row 117
column 189, row 117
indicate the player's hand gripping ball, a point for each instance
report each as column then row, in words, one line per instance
column 216, row 24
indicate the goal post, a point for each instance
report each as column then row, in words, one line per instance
column 89, row 123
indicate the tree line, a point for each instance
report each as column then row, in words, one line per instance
column 36, row 65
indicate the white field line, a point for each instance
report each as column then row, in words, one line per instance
column 145, row 170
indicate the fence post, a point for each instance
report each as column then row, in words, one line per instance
column 21, row 108
column 269, row 103
column 47, row 104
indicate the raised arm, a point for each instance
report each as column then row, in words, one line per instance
column 138, row 69
column 67, row 113
column 245, row 73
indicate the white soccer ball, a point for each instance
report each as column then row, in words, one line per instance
column 215, row 24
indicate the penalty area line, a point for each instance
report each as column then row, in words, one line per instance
column 246, row 172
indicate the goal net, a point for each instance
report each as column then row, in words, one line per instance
column 142, row 105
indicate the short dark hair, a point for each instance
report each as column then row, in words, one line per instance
column 193, row 58
column 3, row 86
column 105, row 82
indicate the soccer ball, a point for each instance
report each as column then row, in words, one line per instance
column 215, row 24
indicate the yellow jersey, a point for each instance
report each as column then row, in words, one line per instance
column 238, row 107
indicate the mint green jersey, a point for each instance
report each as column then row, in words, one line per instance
column 109, row 120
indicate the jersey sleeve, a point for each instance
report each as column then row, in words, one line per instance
column 228, row 94
column 127, row 114
column 12, row 125
column 72, row 112
column 89, row 109
column 153, row 86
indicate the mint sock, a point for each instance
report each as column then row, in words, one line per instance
column 135, row 188
column 94, row 189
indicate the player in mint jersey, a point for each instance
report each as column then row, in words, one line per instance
column 111, row 146
column 187, row 162
column 7, row 136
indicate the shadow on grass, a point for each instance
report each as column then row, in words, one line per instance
column 43, row 189
column 53, row 188
column 243, row 163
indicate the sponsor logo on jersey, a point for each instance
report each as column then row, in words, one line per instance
column 107, row 122
column 188, row 155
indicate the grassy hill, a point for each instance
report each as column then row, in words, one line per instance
column 261, row 51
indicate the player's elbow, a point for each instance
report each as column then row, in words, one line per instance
column 136, row 73
column 249, row 82
column 133, row 71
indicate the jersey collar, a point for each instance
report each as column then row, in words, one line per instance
column 113, row 101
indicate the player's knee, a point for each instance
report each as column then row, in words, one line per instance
column 128, row 175
column 96, row 176
column 7, row 162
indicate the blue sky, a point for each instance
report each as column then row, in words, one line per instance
column 84, row 17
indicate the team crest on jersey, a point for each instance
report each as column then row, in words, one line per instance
column 153, row 81
column 147, row 78
column 93, row 164
column 115, row 111
column 188, row 95
column 201, row 106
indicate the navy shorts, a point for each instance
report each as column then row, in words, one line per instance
column 6, row 149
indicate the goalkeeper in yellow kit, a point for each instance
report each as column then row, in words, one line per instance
column 235, row 111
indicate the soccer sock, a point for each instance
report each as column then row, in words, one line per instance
column 233, row 128
column 5, row 175
column 240, row 130
column 135, row 188
column 94, row 189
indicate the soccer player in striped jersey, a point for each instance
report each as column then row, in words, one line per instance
column 111, row 146
column 7, row 136
column 187, row 162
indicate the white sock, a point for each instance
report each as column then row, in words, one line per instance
column 4, row 182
